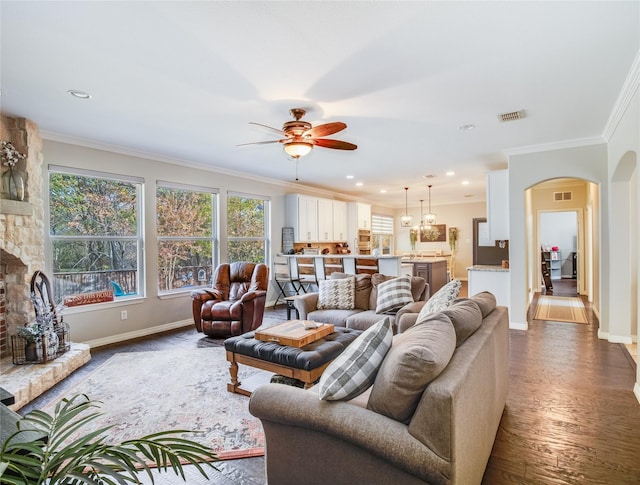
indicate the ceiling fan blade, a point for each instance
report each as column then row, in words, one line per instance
column 326, row 129
column 340, row 145
column 263, row 142
column 276, row 130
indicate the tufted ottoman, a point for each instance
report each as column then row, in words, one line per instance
column 305, row 364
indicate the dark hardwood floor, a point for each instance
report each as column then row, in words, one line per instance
column 571, row 415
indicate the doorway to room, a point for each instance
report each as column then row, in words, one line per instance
column 558, row 234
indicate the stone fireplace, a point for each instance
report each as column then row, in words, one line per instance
column 22, row 230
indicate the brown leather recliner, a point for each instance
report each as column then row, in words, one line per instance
column 235, row 303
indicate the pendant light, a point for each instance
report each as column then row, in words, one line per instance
column 405, row 220
column 422, row 227
column 429, row 230
column 430, row 217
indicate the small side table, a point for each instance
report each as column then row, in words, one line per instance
column 290, row 306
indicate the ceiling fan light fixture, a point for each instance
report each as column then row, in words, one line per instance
column 297, row 149
column 406, row 220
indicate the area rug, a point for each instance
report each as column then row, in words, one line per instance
column 561, row 309
column 147, row 392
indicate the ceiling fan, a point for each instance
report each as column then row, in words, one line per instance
column 299, row 137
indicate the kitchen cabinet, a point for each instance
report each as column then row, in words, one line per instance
column 325, row 220
column 434, row 273
column 359, row 215
column 339, row 221
column 302, row 215
column 316, row 219
column 498, row 205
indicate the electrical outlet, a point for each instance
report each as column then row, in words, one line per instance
column 123, row 315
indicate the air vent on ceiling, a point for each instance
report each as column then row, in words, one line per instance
column 512, row 116
column 559, row 196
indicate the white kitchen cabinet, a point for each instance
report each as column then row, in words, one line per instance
column 498, row 205
column 302, row 215
column 325, row 220
column 359, row 216
column 339, row 221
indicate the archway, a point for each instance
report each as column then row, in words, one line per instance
column 563, row 195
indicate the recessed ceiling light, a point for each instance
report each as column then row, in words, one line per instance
column 79, row 94
column 450, row 173
column 468, row 127
column 349, row 176
column 468, row 195
column 359, row 184
column 383, row 191
column 429, row 176
column 465, row 182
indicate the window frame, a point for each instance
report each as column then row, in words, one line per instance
column 214, row 238
column 267, row 224
column 139, row 238
column 389, row 222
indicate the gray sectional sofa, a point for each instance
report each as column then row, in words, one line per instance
column 441, row 434
column 364, row 314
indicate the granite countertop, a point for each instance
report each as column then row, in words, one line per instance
column 426, row 259
column 334, row 255
column 487, row 267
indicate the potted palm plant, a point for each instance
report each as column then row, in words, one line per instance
column 60, row 457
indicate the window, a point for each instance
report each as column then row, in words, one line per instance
column 248, row 235
column 382, row 233
column 186, row 231
column 95, row 222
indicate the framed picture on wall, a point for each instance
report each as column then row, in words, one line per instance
column 438, row 234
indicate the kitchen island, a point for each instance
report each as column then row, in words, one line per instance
column 324, row 264
column 432, row 268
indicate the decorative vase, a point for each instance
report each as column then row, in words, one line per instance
column 12, row 185
column 52, row 344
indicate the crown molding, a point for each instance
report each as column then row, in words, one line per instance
column 561, row 145
column 294, row 186
column 629, row 90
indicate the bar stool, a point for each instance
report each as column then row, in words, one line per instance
column 288, row 284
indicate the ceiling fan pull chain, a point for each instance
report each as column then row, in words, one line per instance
column 297, row 159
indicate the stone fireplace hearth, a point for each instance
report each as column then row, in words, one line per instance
column 21, row 254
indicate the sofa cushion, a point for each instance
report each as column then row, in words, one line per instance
column 355, row 369
column 466, row 317
column 443, row 298
column 364, row 320
column 335, row 317
column 338, row 294
column 394, row 294
column 486, row 301
column 363, row 288
column 416, row 357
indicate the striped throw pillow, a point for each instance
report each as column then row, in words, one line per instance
column 355, row 369
column 394, row 294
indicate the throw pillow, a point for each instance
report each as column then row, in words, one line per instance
column 355, row 369
column 337, row 294
column 443, row 298
column 394, row 294
column 416, row 357
column 466, row 317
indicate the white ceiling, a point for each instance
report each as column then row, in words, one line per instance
column 180, row 80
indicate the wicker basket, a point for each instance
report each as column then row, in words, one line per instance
column 26, row 352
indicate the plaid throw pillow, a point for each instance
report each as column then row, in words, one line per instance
column 355, row 369
column 442, row 299
column 337, row 294
column 394, row 294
